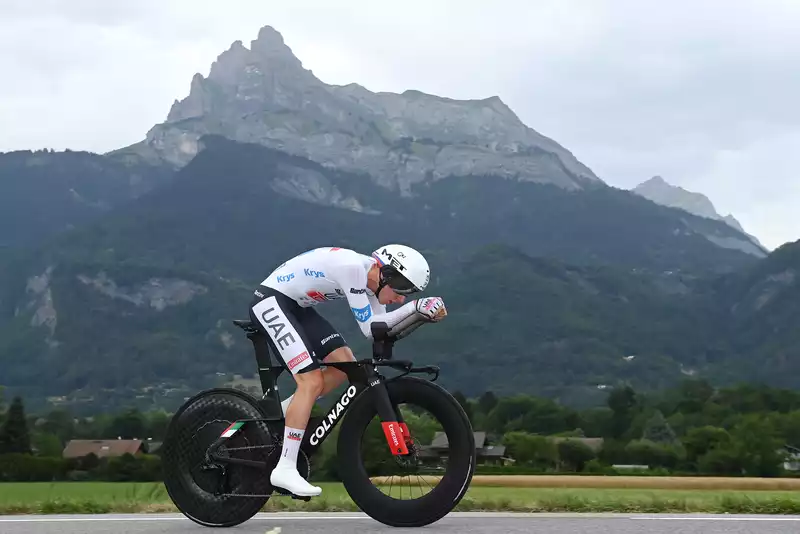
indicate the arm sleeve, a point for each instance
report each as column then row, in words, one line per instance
column 366, row 309
column 407, row 325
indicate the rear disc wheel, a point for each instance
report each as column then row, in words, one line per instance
column 201, row 488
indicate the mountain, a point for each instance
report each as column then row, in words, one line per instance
column 200, row 218
column 759, row 309
column 264, row 95
column 555, row 284
column 44, row 193
column 661, row 192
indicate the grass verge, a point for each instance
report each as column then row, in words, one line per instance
column 99, row 498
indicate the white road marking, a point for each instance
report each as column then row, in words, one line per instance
column 145, row 517
column 717, row 518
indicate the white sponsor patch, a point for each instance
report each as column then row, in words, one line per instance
column 329, row 338
column 290, row 345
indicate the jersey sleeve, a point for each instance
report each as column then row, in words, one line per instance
column 365, row 308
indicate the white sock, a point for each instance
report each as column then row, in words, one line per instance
column 285, row 404
column 287, row 400
column 291, row 445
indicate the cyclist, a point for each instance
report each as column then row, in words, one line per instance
column 284, row 307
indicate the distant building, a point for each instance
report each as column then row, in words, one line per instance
column 486, row 454
column 791, row 458
column 78, row 448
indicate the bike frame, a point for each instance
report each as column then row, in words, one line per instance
column 363, row 378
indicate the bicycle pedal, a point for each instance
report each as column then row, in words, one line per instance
column 284, row 493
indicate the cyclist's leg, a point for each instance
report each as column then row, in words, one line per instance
column 277, row 315
column 328, row 345
column 334, row 377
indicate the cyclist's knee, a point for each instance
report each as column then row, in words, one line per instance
column 311, row 382
column 342, row 354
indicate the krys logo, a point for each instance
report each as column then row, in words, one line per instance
column 362, row 314
column 314, row 274
column 284, row 277
column 327, row 424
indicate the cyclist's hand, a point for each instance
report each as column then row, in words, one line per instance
column 432, row 308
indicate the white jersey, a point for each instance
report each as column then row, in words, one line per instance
column 334, row 273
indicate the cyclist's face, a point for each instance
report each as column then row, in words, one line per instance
column 388, row 296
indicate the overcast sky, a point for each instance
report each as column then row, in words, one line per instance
column 702, row 93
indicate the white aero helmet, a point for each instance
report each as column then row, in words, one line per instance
column 402, row 268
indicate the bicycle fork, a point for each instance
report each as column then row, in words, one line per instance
column 398, row 437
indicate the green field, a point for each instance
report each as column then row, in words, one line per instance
column 100, row 497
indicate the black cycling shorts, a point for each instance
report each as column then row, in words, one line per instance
column 300, row 337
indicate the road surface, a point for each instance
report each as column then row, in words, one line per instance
column 347, row 523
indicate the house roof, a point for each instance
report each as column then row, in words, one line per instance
column 440, row 440
column 77, row 448
column 492, row 450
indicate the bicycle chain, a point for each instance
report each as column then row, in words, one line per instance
column 248, row 448
column 254, row 495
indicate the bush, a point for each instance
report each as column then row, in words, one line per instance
column 647, row 452
column 27, row 468
column 127, row 468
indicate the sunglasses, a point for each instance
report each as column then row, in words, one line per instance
column 399, row 283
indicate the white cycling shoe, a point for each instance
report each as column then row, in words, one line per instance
column 289, row 479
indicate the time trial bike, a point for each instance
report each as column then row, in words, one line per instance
column 222, row 443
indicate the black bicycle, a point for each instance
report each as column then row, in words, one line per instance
column 222, row 444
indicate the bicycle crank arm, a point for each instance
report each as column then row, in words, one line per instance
column 240, row 461
column 270, row 495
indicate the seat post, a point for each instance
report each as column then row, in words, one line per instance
column 268, row 374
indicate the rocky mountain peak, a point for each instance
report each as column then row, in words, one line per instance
column 658, row 190
column 264, row 95
column 655, row 181
column 270, row 43
column 268, row 52
column 252, row 74
column 662, row 192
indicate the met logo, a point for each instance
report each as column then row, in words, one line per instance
column 362, row 314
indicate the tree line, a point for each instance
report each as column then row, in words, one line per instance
column 695, row 428
column 743, row 430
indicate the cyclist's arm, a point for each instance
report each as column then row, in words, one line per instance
column 367, row 310
column 407, row 325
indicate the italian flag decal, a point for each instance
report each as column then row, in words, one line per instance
column 231, row 430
